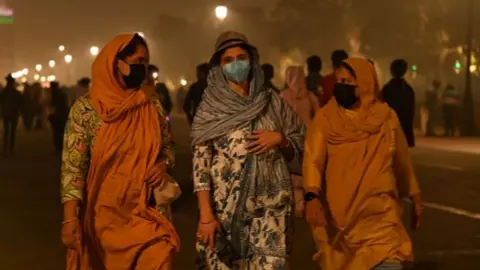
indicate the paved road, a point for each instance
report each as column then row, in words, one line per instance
column 31, row 213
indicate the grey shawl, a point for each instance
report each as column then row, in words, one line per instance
column 266, row 183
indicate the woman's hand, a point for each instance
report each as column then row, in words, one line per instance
column 314, row 213
column 71, row 234
column 207, row 231
column 263, row 140
column 417, row 211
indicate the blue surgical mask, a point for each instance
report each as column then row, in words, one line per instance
column 237, row 71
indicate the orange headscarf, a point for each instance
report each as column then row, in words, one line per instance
column 120, row 230
column 372, row 113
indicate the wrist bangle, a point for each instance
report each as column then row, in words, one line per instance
column 69, row 221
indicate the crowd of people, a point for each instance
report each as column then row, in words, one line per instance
column 330, row 149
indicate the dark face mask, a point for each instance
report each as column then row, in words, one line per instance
column 137, row 75
column 345, row 95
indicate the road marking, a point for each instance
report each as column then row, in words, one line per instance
column 445, row 167
column 444, row 253
column 452, row 210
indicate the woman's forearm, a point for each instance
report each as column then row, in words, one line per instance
column 205, row 207
column 70, row 210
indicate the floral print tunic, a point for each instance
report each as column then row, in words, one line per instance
column 219, row 166
column 82, row 126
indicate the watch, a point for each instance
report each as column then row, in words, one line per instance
column 310, row 196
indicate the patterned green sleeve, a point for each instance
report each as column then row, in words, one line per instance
column 76, row 154
column 168, row 143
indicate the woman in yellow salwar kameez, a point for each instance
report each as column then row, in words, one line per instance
column 357, row 170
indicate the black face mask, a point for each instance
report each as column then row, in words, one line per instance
column 345, row 95
column 136, row 77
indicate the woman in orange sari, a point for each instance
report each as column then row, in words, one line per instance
column 356, row 172
column 118, row 149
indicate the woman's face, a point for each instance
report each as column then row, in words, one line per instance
column 344, row 76
column 140, row 56
column 232, row 54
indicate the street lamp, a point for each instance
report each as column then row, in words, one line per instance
column 51, row 78
column 469, row 127
column 36, row 77
column 183, row 82
column 25, row 71
column 38, row 67
column 51, row 63
column 68, row 58
column 155, row 75
column 94, row 50
column 61, row 48
column 221, row 12
column 43, row 79
column 141, row 34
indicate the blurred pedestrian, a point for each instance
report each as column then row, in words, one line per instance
column 195, row 93
column 400, row 96
column 118, row 150
column 39, row 110
column 450, row 107
column 268, row 75
column 431, row 104
column 28, row 108
column 314, row 78
column 11, row 104
column 305, row 104
column 58, row 115
column 79, row 90
column 161, row 89
column 357, row 169
column 328, row 82
column 244, row 137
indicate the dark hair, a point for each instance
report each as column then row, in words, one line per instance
column 314, row 63
column 203, row 67
column 152, row 68
column 131, row 48
column 268, row 71
column 338, row 57
column 398, row 68
column 85, row 81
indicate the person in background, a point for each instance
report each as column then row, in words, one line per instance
column 81, row 89
column 305, row 104
column 400, row 96
column 357, row 171
column 450, row 106
column 314, row 78
column 195, row 93
column 328, row 82
column 181, row 94
column 431, row 104
column 244, row 138
column 268, row 75
column 28, row 110
column 161, row 89
column 58, row 115
column 118, row 151
column 11, row 104
column 38, row 110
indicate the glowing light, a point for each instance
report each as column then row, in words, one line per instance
column 221, row 12
column 414, row 67
column 68, row 58
column 183, row 82
column 61, row 48
column 38, row 67
column 458, row 65
column 473, row 68
column 25, row 71
column 52, row 63
column 94, row 50
column 17, row 74
column 24, row 79
column 141, row 34
column 51, row 78
column 36, row 77
column 43, row 79
column 155, row 75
